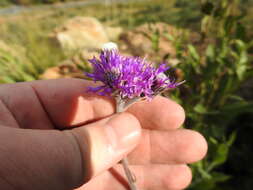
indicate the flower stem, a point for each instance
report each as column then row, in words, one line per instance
column 130, row 176
column 122, row 106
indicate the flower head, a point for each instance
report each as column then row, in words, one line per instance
column 128, row 77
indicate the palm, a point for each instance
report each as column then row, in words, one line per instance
column 159, row 161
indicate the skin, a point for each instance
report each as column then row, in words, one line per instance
column 55, row 135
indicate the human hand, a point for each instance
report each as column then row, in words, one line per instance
column 54, row 158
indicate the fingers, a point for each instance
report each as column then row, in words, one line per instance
column 6, row 117
column 63, row 103
column 53, row 159
column 53, row 103
column 169, row 147
column 159, row 114
column 67, row 102
column 22, row 107
column 106, row 142
column 38, row 159
column 155, row 177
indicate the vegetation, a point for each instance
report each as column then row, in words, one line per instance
column 217, row 67
column 210, row 97
column 29, row 2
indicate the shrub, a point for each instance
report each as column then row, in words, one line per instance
column 214, row 70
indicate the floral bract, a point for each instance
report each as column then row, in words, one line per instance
column 128, row 77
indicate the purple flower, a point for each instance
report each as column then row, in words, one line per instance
column 128, row 77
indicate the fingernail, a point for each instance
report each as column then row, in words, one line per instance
column 123, row 131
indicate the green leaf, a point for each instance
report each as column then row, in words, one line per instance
column 210, row 51
column 221, row 155
column 200, row 108
column 193, row 52
column 219, row 177
column 238, row 108
column 232, row 138
column 213, row 140
column 240, row 45
column 202, row 171
column 242, row 67
column 169, row 37
column 236, row 97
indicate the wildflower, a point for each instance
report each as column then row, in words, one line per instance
column 127, row 78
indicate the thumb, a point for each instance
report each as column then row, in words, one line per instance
column 106, row 142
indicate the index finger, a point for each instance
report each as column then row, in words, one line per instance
column 160, row 113
column 67, row 104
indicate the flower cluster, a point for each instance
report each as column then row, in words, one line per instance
column 128, row 77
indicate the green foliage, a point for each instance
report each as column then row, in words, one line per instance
column 16, row 69
column 38, row 53
column 214, row 74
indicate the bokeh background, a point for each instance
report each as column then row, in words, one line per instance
column 208, row 43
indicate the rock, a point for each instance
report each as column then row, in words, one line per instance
column 113, row 33
column 51, row 73
column 72, row 67
column 138, row 42
column 85, row 55
column 66, row 70
column 81, row 33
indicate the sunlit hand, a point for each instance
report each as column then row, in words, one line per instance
column 61, row 157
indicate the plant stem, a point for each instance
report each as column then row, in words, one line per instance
column 130, row 176
column 122, row 106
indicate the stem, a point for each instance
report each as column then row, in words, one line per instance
column 130, row 176
column 122, row 106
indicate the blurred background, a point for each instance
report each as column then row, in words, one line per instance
column 207, row 42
